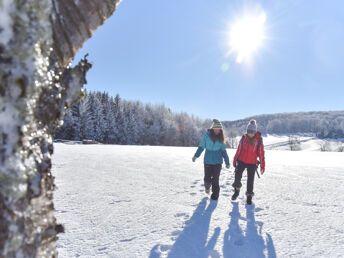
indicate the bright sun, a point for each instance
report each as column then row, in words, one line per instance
column 246, row 35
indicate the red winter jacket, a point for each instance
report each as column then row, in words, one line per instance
column 248, row 154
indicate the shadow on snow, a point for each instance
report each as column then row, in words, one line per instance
column 192, row 241
column 249, row 242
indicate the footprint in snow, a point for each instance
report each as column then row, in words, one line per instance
column 158, row 250
column 181, row 215
column 113, row 202
column 213, row 254
column 192, row 194
column 165, row 248
column 128, row 240
column 61, row 211
column 176, row 233
column 309, row 204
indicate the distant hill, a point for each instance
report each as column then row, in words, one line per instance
column 324, row 124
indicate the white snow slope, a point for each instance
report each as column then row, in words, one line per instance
column 308, row 142
column 142, row 201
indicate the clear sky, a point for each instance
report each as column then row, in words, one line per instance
column 179, row 53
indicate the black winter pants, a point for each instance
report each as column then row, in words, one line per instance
column 211, row 178
column 251, row 170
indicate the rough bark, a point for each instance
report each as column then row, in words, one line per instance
column 38, row 39
column 75, row 21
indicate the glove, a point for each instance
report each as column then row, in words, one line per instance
column 235, row 164
column 262, row 170
column 228, row 166
column 194, row 159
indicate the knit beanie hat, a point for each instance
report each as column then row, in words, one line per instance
column 216, row 124
column 252, row 127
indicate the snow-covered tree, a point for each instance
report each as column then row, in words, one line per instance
column 231, row 140
column 109, row 118
column 99, row 119
column 113, row 120
column 323, row 124
column 325, row 146
column 294, row 143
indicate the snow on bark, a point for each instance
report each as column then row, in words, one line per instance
column 36, row 89
column 5, row 22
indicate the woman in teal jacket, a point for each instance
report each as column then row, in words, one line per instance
column 215, row 152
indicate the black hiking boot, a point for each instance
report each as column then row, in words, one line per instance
column 213, row 197
column 249, row 199
column 235, row 195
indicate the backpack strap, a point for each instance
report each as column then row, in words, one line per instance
column 258, row 147
column 259, row 143
column 242, row 139
column 242, row 144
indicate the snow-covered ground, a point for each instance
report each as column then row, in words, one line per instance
column 307, row 142
column 142, row 201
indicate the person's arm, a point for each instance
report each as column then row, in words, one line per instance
column 225, row 155
column 201, row 147
column 237, row 154
column 261, row 155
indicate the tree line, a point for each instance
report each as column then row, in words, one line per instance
column 113, row 120
column 322, row 124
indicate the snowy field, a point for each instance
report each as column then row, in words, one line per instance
column 307, row 142
column 141, row 201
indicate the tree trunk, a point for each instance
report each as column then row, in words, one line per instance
column 38, row 39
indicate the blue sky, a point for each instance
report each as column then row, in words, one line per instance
column 174, row 52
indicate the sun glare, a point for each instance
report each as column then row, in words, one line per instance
column 246, row 35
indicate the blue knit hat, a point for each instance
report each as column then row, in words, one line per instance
column 252, row 127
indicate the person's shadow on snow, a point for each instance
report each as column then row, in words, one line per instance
column 249, row 242
column 192, row 241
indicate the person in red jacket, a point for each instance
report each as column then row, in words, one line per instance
column 249, row 150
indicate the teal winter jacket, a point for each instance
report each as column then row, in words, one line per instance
column 215, row 152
